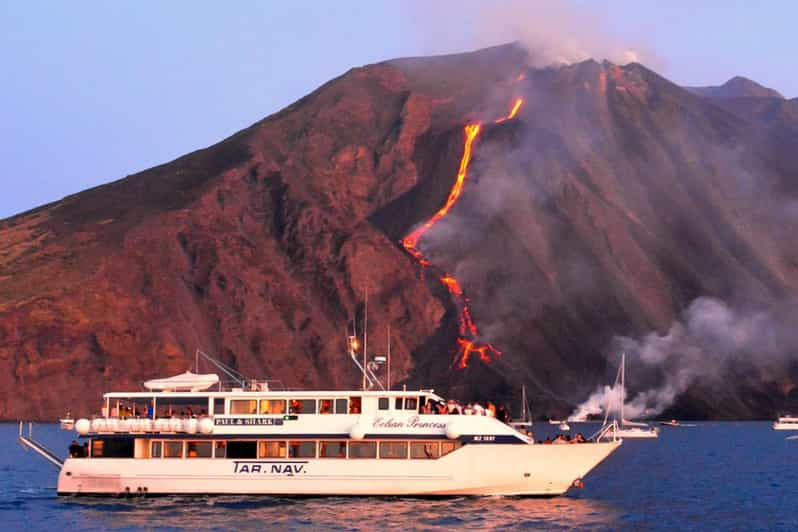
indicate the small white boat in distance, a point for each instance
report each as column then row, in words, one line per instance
column 626, row 428
column 786, row 422
column 185, row 382
column 562, row 424
column 68, row 422
column 525, row 424
column 630, row 429
column 671, row 423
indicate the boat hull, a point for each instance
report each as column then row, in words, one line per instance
column 485, row 469
column 785, row 426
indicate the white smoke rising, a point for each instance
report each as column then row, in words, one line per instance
column 554, row 33
column 709, row 339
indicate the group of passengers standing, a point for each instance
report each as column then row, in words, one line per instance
column 565, row 438
column 77, row 450
column 452, row 407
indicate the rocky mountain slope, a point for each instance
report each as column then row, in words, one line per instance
column 611, row 202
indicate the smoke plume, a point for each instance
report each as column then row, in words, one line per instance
column 709, row 341
column 554, row 33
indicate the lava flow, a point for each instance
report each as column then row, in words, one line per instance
column 513, row 111
column 467, row 342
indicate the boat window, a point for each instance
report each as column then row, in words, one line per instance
column 218, row 406
column 393, row 449
column 341, row 406
column 449, row 446
column 272, row 406
column 242, row 449
column 383, row 403
column 155, row 452
column 398, row 403
column 173, row 449
column 302, row 406
column 354, row 405
column 325, row 406
column 243, row 406
column 411, row 403
column 122, row 448
column 182, row 406
column 220, row 450
column 332, row 449
column 271, row 449
column 362, row 449
column 97, row 447
column 199, row 449
column 302, row 449
column 424, row 450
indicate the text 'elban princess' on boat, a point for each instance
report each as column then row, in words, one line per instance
column 181, row 438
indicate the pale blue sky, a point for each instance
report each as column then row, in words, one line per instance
column 94, row 91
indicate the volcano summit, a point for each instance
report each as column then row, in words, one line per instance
column 609, row 207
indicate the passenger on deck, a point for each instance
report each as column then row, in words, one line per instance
column 452, row 407
column 442, row 408
column 469, row 409
column 426, row 408
column 478, row 410
column 502, row 414
column 560, row 439
column 296, row 407
column 547, row 440
column 579, row 438
column 354, row 406
column 490, row 410
column 75, row 449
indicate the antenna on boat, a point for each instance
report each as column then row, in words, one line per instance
column 523, row 402
column 365, row 336
column 623, row 383
column 227, row 370
column 368, row 375
column 370, row 380
column 388, row 379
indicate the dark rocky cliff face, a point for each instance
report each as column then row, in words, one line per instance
column 610, row 203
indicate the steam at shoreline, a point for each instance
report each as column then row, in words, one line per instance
column 702, row 347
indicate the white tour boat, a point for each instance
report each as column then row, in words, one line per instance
column 786, row 422
column 253, row 440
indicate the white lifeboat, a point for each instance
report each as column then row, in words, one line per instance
column 185, row 382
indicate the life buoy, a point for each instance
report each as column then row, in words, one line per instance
column 357, row 432
column 453, row 431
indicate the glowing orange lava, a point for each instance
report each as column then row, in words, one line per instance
column 468, row 347
column 468, row 330
column 513, row 111
column 410, row 242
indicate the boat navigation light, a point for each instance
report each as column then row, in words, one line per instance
column 354, row 345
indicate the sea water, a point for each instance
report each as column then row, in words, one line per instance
column 713, row 476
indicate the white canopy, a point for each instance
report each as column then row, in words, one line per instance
column 185, row 382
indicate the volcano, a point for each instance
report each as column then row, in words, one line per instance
column 603, row 206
